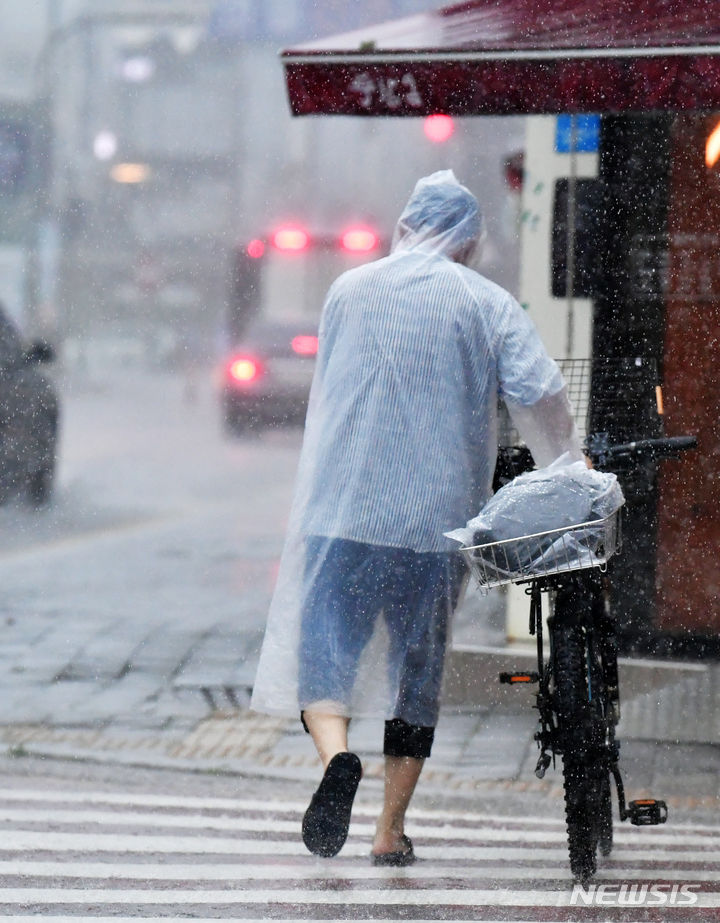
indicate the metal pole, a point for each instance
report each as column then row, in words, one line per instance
column 570, row 242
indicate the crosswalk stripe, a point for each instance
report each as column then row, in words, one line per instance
column 239, row 823
column 444, row 897
column 252, row 806
column 240, row 805
column 544, row 870
column 24, row 840
column 76, row 858
column 77, row 918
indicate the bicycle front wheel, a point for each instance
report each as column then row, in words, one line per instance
column 582, row 794
column 605, row 820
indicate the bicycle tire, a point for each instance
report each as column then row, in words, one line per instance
column 605, row 819
column 602, row 658
column 581, row 794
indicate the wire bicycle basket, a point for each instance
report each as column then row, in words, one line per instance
column 515, row 560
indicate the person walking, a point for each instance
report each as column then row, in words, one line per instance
column 399, row 447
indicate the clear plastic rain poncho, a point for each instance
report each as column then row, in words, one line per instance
column 400, row 446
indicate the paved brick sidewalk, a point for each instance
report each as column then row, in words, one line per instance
column 488, row 752
column 177, row 696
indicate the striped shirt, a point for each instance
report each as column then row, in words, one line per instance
column 401, row 433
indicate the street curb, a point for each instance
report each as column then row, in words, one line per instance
column 431, row 786
column 438, row 781
column 247, row 744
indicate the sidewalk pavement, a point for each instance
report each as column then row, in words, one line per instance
column 199, row 720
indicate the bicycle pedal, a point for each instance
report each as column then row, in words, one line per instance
column 542, row 765
column 515, row 679
column 647, row 812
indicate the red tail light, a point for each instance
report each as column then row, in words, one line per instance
column 359, row 240
column 294, row 239
column 244, row 370
column 305, row 345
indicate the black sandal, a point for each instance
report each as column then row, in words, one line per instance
column 399, row 858
column 327, row 819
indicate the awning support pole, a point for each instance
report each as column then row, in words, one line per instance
column 570, row 241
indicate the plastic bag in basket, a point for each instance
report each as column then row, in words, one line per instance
column 562, row 495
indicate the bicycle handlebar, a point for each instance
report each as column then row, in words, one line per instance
column 641, row 449
column 514, row 460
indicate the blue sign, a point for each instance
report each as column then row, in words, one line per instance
column 586, row 131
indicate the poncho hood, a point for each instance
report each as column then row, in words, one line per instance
column 442, row 216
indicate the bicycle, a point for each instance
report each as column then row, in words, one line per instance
column 578, row 698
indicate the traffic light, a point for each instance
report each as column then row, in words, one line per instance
column 438, row 128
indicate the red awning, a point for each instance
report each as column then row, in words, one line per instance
column 517, row 56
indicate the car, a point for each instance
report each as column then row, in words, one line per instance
column 266, row 379
column 29, row 417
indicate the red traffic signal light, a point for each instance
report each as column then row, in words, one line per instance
column 438, row 128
